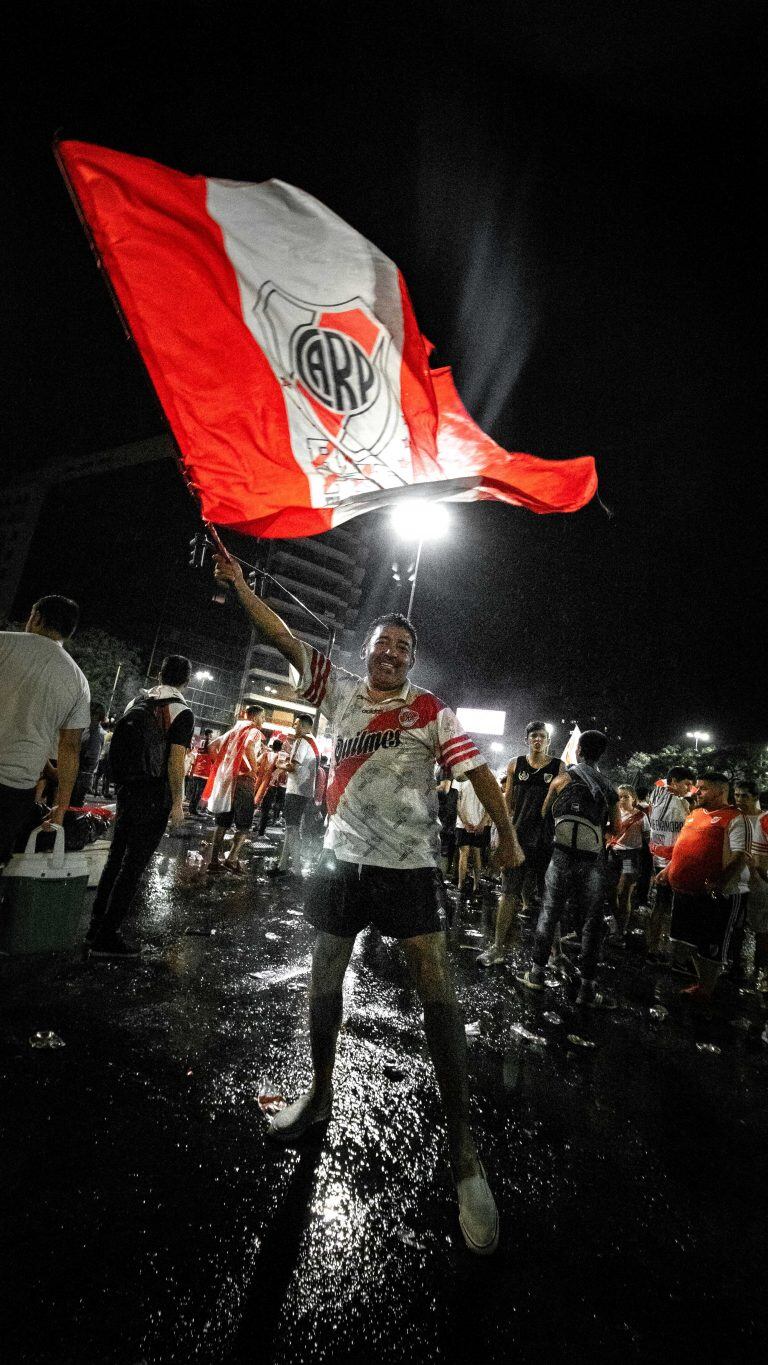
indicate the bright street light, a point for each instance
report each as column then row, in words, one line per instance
column 497, row 748
column 697, row 735
column 549, row 727
column 416, row 519
column 203, row 675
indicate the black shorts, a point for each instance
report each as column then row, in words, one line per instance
column 707, row 923
column 294, row 809
column 535, row 866
column 241, row 814
column 466, row 839
column 343, row 898
column 17, row 805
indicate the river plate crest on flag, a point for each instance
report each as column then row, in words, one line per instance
column 334, row 363
column 285, row 352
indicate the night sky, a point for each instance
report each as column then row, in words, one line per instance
column 571, row 194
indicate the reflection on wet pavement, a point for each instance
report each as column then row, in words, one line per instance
column 147, row 1218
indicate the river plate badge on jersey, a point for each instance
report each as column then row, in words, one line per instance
column 335, row 366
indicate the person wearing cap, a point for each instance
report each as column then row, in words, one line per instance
column 709, row 875
column 529, row 777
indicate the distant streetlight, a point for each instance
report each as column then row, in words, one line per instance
column 549, row 727
column 497, row 748
column 697, row 735
column 203, row 675
column 417, row 520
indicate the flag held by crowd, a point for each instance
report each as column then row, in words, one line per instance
column 286, row 354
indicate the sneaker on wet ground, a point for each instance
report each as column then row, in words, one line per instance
column 592, row 998
column 113, row 945
column 533, row 979
column 492, row 957
column 478, row 1215
column 296, row 1119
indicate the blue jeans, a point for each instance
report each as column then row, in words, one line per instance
column 580, row 878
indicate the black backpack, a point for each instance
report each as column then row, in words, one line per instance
column 139, row 748
column 580, row 818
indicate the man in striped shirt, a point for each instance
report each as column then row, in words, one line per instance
column 382, row 865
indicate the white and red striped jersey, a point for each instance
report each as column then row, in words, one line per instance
column 667, row 816
column 759, row 825
column 381, row 797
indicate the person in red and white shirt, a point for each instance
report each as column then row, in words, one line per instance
column 709, row 876
column 301, row 766
column 381, row 865
column 746, row 798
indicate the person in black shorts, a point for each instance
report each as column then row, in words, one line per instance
column 528, row 781
column 380, row 866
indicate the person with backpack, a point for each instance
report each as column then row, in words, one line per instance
column 147, row 753
column 584, row 806
column 302, row 768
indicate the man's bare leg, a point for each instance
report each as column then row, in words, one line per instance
column 444, row 1027
column 330, row 959
column 215, row 859
column 231, row 859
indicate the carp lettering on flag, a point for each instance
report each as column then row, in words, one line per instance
column 286, row 354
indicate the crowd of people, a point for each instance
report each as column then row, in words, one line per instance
column 407, row 803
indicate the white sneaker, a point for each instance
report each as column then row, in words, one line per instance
column 490, row 958
column 297, row 1118
column 478, row 1215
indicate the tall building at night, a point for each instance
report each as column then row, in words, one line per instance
column 134, row 488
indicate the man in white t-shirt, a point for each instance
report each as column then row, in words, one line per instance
column 301, row 767
column 381, row 865
column 44, row 708
column 670, row 808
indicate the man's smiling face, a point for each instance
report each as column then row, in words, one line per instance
column 389, row 657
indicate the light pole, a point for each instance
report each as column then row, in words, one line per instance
column 697, row 735
column 417, row 520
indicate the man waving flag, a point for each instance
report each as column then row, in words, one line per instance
column 285, row 352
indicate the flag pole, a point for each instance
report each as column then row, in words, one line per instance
column 413, row 580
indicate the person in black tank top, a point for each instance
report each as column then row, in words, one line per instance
column 528, row 780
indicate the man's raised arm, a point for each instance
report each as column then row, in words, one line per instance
column 266, row 621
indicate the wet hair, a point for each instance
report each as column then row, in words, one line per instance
column 717, row 779
column 276, row 746
column 305, row 721
column 593, row 744
column 681, row 774
column 175, row 670
column 534, row 727
column 392, row 618
column 746, row 784
column 60, row 614
column 252, row 711
column 207, row 732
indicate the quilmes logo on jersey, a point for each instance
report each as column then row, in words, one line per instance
column 331, row 360
column 365, row 742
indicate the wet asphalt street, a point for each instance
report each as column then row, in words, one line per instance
column 147, row 1219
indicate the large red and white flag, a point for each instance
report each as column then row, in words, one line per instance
column 285, row 352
